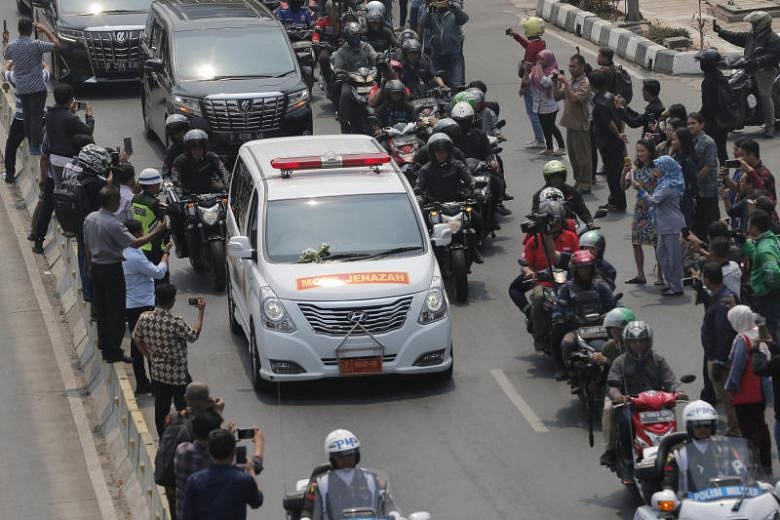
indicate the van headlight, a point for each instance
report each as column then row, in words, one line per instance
column 275, row 316
column 297, row 99
column 209, row 216
column 435, row 304
column 187, row 106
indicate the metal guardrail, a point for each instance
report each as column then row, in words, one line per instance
column 108, row 384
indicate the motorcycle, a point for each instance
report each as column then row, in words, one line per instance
column 726, row 489
column 204, row 235
column 361, row 81
column 652, row 419
column 456, row 258
column 304, row 51
column 293, row 503
column 403, row 144
column 545, row 285
column 481, row 172
column 743, row 85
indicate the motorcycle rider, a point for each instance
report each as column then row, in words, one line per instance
column 637, row 370
column 327, row 31
column 418, row 69
column 294, row 15
column 394, row 107
column 542, row 250
column 176, row 125
column 595, row 242
column 198, row 170
column 584, row 294
column 762, row 52
column 345, row 486
column 354, row 54
column 378, row 35
column 716, row 120
column 555, row 175
column 446, row 126
column 700, row 420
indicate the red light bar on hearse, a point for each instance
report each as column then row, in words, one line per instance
column 320, row 162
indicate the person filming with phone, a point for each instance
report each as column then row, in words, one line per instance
column 163, row 337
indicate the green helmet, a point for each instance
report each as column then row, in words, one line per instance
column 619, row 317
column 465, row 96
column 554, row 168
column 759, row 20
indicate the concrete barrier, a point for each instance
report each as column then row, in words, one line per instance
column 106, row 386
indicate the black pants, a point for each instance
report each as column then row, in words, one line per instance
column 594, row 151
column 720, row 136
column 551, row 130
column 613, row 168
column 350, row 120
column 517, row 291
column 43, row 210
column 108, row 298
column 753, row 427
column 139, row 365
column 706, row 212
column 33, row 106
column 163, row 395
column 402, row 10
column 15, row 138
column 708, row 392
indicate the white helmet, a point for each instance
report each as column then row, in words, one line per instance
column 550, row 193
column 697, row 413
column 342, row 442
column 375, row 6
column 462, row 110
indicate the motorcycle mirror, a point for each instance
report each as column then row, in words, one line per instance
column 501, row 123
column 618, row 296
column 600, row 213
column 498, row 149
column 688, row 378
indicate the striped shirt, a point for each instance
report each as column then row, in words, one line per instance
column 9, row 77
column 28, row 57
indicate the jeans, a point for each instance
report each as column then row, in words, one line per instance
column 536, row 125
column 33, row 105
column 454, row 68
column 517, row 293
column 139, row 364
column 43, row 210
column 414, row 14
column 86, row 280
column 15, row 138
column 612, row 156
column 163, row 395
column 669, row 254
column 108, row 287
column 402, row 10
column 551, row 130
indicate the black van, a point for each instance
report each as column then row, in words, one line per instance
column 228, row 66
column 100, row 38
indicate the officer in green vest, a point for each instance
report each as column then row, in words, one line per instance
column 148, row 210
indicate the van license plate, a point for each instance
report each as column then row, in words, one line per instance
column 247, row 136
column 361, row 365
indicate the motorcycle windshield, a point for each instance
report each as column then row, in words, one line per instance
column 365, row 497
column 716, row 469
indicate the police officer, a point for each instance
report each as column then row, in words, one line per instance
column 148, row 210
column 198, row 170
column 345, row 486
column 700, row 420
column 176, row 125
column 354, row 54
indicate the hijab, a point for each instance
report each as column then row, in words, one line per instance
column 743, row 321
column 671, row 173
column 550, row 68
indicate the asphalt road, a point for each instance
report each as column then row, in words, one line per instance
column 462, row 450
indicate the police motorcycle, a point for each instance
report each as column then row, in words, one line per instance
column 204, row 231
column 724, row 486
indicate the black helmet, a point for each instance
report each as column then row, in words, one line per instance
column 708, row 58
column 375, row 16
column 94, row 159
column 352, row 29
column 449, row 127
column 439, row 142
column 176, row 123
column 638, row 339
column 393, row 86
column 411, row 45
column 196, row 136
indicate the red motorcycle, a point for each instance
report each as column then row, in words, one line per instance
column 403, row 145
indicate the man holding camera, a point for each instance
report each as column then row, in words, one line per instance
column 444, row 20
column 163, row 337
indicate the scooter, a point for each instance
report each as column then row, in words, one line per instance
column 403, row 144
column 304, row 51
column 361, row 81
column 743, row 86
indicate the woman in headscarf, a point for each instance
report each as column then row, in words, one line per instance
column 748, row 390
column 544, row 77
column 669, row 220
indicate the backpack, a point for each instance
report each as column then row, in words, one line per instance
column 623, row 85
column 67, row 206
column 761, row 359
column 178, row 431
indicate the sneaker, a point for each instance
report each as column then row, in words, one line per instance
column 546, row 151
column 533, row 143
column 38, row 247
column 560, row 152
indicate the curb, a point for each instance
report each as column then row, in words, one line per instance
column 106, row 387
column 627, row 44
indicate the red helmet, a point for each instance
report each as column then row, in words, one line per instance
column 582, row 258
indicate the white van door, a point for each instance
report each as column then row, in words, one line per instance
column 241, row 191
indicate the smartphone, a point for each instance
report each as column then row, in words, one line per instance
column 241, row 455
column 627, row 161
column 5, row 25
column 81, row 105
column 127, row 145
column 508, row 32
column 193, row 301
column 732, row 163
column 685, row 232
column 245, row 433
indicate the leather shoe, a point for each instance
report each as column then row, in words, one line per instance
column 32, row 237
column 117, row 359
column 503, row 210
column 508, row 196
column 38, row 247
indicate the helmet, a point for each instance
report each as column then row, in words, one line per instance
column 352, row 30
column 406, row 34
column 375, row 16
column 462, row 112
column 550, row 193
column 554, row 168
column 342, row 442
column 708, row 58
column 533, row 26
column 618, row 317
column 195, row 136
column 94, row 159
column 375, row 6
column 176, row 123
column 393, row 86
column 553, row 208
column 328, row 6
column 439, row 141
column 149, row 177
column 634, row 334
column 478, row 95
column 698, row 413
column 447, row 126
column 411, row 45
column 760, row 20
column 464, row 96
column 595, row 239
column 582, row 258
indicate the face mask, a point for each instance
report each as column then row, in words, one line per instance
column 353, row 41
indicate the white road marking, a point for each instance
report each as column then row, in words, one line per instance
column 516, row 399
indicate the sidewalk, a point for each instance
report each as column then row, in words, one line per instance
column 45, row 474
column 680, row 13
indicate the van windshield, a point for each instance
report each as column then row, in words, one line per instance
column 231, row 53
column 355, row 227
column 87, row 7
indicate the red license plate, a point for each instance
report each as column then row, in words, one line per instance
column 362, row 365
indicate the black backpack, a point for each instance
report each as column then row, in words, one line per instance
column 67, row 205
column 623, row 85
column 178, row 431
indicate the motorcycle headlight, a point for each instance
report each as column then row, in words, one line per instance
column 70, row 35
column 275, row 316
column 435, row 304
column 455, row 222
column 210, row 216
column 297, row 99
column 187, row 105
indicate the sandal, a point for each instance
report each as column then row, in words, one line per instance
column 636, row 281
column 659, row 282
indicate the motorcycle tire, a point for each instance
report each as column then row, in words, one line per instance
column 460, row 276
column 218, row 264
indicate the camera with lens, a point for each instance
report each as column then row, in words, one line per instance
column 537, row 223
